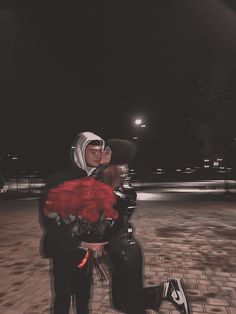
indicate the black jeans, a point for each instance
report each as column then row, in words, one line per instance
column 69, row 281
column 128, row 293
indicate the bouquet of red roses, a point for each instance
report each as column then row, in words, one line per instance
column 85, row 206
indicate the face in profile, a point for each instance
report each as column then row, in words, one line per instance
column 106, row 156
column 93, row 155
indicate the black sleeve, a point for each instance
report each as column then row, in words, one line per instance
column 67, row 174
column 57, row 238
column 126, row 200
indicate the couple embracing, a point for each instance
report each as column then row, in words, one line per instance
column 86, row 210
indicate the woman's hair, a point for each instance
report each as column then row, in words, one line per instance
column 122, row 153
column 112, row 175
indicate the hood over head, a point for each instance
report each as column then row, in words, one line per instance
column 78, row 149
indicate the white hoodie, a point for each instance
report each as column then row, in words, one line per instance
column 83, row 140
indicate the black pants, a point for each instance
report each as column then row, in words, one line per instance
column 128, row 293
column 69, row 281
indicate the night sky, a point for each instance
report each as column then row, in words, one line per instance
column 95, row 66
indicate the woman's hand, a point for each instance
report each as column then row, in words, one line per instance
column 93, row 246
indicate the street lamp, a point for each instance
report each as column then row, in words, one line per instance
column 138, row 121
column 139, row 124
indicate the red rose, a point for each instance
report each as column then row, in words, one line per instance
column 90, row 214
column 85, row 197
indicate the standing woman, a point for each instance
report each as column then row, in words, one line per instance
column 128, row 293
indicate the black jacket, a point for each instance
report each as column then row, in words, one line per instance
column 126, row 204
column 57, row 239
column 119, row 236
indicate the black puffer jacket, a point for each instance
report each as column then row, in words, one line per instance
column 58, row 239
column 126, row 204
column 121, row 233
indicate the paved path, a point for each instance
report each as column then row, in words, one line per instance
column 192, row 240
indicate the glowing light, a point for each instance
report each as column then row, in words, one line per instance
column 138, row 121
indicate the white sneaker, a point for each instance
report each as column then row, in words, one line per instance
column 173, row 292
